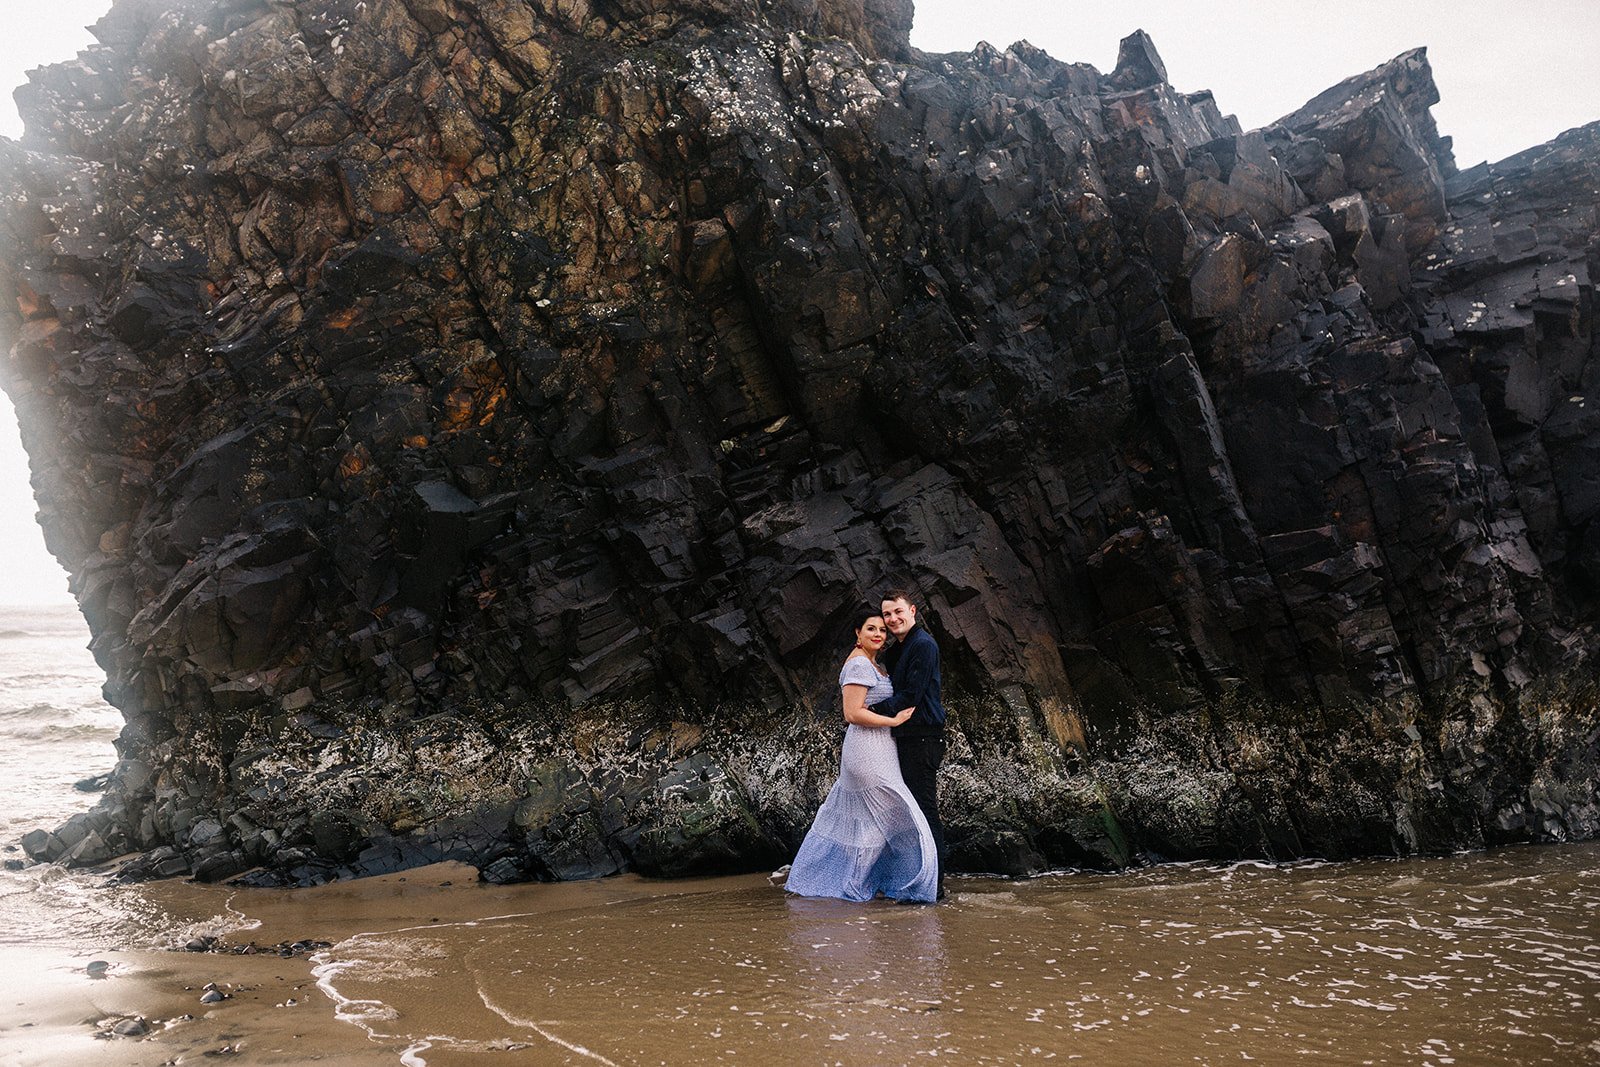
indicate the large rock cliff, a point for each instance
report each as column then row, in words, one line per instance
column 469, row 423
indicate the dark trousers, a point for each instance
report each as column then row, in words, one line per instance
column 919, row 766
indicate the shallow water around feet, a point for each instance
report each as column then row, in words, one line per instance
column 1472, row 959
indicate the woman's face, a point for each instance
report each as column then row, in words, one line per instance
column 872, row 634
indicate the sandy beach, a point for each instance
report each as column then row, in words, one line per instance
column 58, row 1012
column 58, row 1015
column 1477, row 958
column 273, row 1011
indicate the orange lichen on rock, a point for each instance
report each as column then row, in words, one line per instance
column 354, row 462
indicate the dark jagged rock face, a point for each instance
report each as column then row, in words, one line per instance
column 469, row 423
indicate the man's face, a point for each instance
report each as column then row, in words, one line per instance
column 899, row 616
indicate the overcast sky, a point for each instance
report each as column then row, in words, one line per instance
column 1511, row 75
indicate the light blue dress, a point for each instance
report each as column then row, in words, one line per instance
column 869, row 836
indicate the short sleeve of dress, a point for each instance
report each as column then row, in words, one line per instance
column 857, row 671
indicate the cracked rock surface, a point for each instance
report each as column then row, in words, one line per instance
column 468, row 425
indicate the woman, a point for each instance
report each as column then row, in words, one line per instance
column 869, row 836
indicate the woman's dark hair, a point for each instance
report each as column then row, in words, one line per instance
column 859, row 617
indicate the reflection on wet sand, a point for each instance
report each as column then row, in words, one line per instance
column 889, row 965
column 711, row 976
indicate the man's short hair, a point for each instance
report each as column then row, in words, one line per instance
column 898, row 594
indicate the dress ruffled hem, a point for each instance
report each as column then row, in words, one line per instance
column 869, row 836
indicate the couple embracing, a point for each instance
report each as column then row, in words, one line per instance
column 879, row 831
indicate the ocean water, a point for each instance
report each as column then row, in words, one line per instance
column 55, row 730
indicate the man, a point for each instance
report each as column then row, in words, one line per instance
column 914, row 669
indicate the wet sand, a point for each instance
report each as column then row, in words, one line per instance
column 275, row 1012
column 57, row 1013
column 54, row 1010
column 1482, row 959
